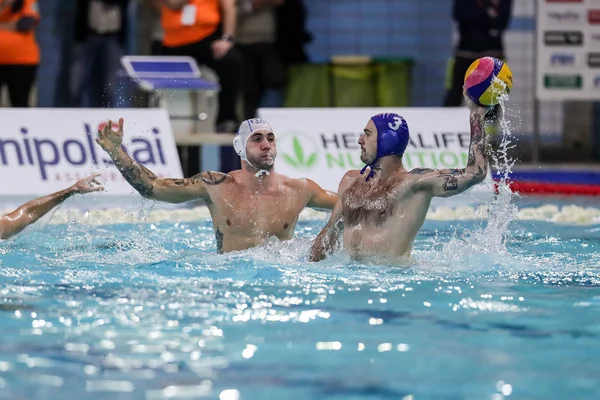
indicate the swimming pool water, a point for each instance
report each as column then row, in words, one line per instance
column 149, row 311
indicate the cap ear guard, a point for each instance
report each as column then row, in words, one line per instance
column 238, row 146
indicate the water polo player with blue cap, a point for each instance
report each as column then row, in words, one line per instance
column 379, row 216
column 392, row 139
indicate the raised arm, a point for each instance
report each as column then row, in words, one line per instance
column 450, row 182
column 145, row 181
column 320, row 198
column 30, row 212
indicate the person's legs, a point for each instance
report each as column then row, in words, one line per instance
column 229, row 71
column 193, row 152
column 19, row 81
column 252, row 89
column 274, row 77
column 3, row 76
column 113, row 90
column 90, row 84
column 454, row 96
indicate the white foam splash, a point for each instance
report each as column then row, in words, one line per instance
column 568, row 214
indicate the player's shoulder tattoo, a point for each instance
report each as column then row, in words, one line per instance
column 420, row 171
column 211, row 178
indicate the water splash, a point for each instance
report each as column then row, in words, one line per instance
column 502, row 207
column 501, row 210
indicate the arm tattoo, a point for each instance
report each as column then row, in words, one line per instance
column 471, row 156
column 453, row 171
column 210, row 178
column 477, row 147
column 420, row 171
column 450, row 182
column 219, row 236
column 139, row 177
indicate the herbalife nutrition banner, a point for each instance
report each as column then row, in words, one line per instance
column 322, row 143
column 45, row 150
column 568, row 50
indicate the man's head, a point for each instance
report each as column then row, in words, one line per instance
column 255, row 143
column 384, row 135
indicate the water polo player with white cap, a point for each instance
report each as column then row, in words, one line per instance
column 246, row 131
column 247, row 206
column 380, row 215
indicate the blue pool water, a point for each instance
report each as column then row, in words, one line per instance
column 149, row 311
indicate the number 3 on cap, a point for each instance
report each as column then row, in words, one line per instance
column 396, row 124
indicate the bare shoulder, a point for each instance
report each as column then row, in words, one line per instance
column 300, row 184
column 348, row 179
column 351, row 174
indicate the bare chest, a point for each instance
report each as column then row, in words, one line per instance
column 261, row 214
column 369, row 203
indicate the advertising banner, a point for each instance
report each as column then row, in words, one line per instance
column 322, row 143
column 568, row 50
column 46, row 150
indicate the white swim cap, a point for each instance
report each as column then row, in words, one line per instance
column 246, row 129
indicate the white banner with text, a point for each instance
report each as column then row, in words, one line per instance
column 46, row 150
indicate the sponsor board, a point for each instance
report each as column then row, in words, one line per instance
column 594, row 16
column 564, row 17
column 594, row 40
column 46, row 150
column 563, row 81
column 562, row 59
column 322, row 144
column 568, row 50
column 593, row 60
column 563, row 38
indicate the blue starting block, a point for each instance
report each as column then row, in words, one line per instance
column 161, row 73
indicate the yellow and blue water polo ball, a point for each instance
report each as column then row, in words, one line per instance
column 487, row 80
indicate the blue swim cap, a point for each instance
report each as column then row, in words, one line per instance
column 392, row 137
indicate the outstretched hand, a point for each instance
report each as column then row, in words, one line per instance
column 87, row 185
column 109, row 139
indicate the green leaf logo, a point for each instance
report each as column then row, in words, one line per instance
column 290, row 160
column 298, row 151
column 300, row 157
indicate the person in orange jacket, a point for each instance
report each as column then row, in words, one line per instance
column 19, row 51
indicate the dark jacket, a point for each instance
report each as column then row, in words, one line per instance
column 478, row 31
column 292, row 36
